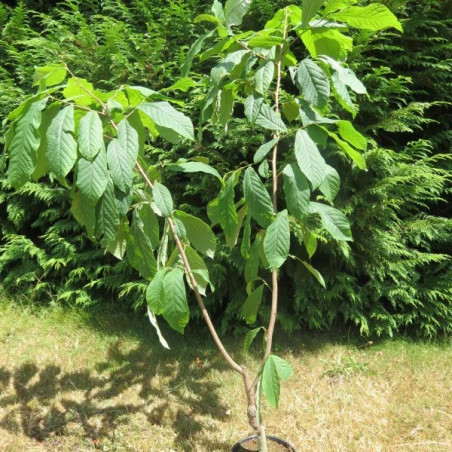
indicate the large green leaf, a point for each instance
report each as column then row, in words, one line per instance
column 356, row 156
column 264, row 76
column 252, row 303
column 194, row 167
column 61, row 146
column 84, row 212
column 252, row 262
column 176, row 311
column 165, row 115
column 90, row 135
column 118, row 246
column 52, row 74
column 199, row 233
column 342, row 95
column 163, row 199
column 79, row 91
column 128, row 138
column 194, row 50
column 121, row 171
column 24, row 145
column 199, row 270
column 348, row 133
column 313, row 83
column 257, row 198
column 326, row 41
column 249, row 338
column 155, row 293
column 227, row 213
column 330, row 184
column 150, row 224
column 92, row 177
column 371, row 17
column 107, row 217
column 333, row 220
column 296, row 190
column 277, row 241
column 345, row 75
column 263, row 150
column 253, row 105
column 234, row 10
column 140, row 249
column 309, row 8
column 309, row 159
column 275, row 369
column 268, row 119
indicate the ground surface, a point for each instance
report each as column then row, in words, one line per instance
column 79, row 382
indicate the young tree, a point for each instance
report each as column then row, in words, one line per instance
column 93, row 142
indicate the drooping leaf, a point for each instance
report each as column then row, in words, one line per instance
column 92, row 177
column 265, row 39
column 252, row 262
column 199, row 233
column 153, row 320
column 199, row 270
column 163, row 199
column 176, row 311
column 253, row 105
column 257, row 198
column 330, row 184
column 165, row 115
column 326, row 41
column 309, row 159
column 24, row 145
column 268, row 119
column 227, row 213
column 296, row 190
column 313, row 83
column 90, row 135
column 246, row 239
column 195, row 167
column 371, row 17
column 107, row 218
column 155, row 293
column 121, row 171
column 183, row 84
column 61, row 146
column 356, row 156
column 128, row 138
column 234, row 10
column 348, row 133
column 309, row 8
column 119, row 245
column 251, row 305
column 333, row 220
column 342, row 95
column 249, row 338
column 275, row 369
column 195, row 49
column 334, row 5
column 264, row 76
column 84, row 212
column 150, row 224
column 52, row 74
column 277, row 241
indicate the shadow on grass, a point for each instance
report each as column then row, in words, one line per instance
column 168, row 388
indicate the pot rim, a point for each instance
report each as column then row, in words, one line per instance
column 276, row 439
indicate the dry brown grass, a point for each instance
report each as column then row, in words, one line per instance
column 73, row 383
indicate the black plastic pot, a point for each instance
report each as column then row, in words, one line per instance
column 239, row 448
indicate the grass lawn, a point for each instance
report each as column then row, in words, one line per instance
column 72, row 381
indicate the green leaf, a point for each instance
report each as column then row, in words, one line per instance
column 140, row 249
column 252, row 303
column 155, row 294
column 199, row 233
column 119, row 245
column 345, row 75
column 107, row 217
column 153, row 320
column 84, row 212
column 333, row 220
column 195, row 167
column 92, row 177
column 309, row 159
column 313, row 83
column 183, row 84
column 341, row 94
column 249, row 338
column 277, row 241
column 61, row 147
column 227, row 214
column 253, row 105
column 309, row 8
column 352, row 153
column 373, row 17
column 217, row 9
column 195, row 49
column 199, row 270
column 268, row 119
column 330, row 184
column 121, row 171
column 334, row 5
column 150, row 224
column 234, row 10
column 226, row 105
column 212, row 212
column 257, row 198
column 165, row 115
column 79, row 91
column 310, row 242
column 263, row 150
column 176, row 311
column 265, row 39
column 252, row 262
column 52, row 74
column 163, row 200
column 330, row 41
column 350, row 134
column 246, row 240
column 275, row 369
column 24, row 145
column 296, row 190
column 206, row 18
column 90, row 135
column 317, row 275
column 128, row 138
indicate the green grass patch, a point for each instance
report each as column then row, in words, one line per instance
column 73, row 380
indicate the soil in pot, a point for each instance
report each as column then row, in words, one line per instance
column 250, row 445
